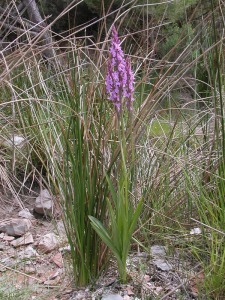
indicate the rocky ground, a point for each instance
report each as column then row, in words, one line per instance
column 34, row 260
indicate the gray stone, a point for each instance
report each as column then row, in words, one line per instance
column 112, row 297
column 48, row 243
column 15, row 227
column 7, row 262
column 15, row 140
column 24, row 240
column 162, row 264
column 24, row 213
column 8, row 238
column 158, row 251
column 29, row 270
column 60, row 228
column 44, row 203
column 28, row 252
column 61, row 231
column 2, row 246
column 11, row 252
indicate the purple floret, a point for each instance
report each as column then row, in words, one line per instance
column 119, row 78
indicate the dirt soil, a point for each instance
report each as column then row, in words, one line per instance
column 49, row 276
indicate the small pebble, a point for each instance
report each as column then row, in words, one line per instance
column 112, row 297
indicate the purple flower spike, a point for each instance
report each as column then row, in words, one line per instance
column 119, row 78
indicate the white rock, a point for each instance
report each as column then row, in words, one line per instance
column 48, row 243
column 112, row 297
column 196, row 231
column 15, row 140
column 15, row 227
column 44, row 203
column 28, row 252
column 24, row 213
column 24, row 240
column 158, row 251
column 61, row 231
column 65, row 249
column 60, row 228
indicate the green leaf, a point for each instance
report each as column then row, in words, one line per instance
column 135, row 217
column 104, row 235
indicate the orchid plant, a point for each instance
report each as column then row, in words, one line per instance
column 122, row 213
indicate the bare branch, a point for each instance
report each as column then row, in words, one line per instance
column 36, row 18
